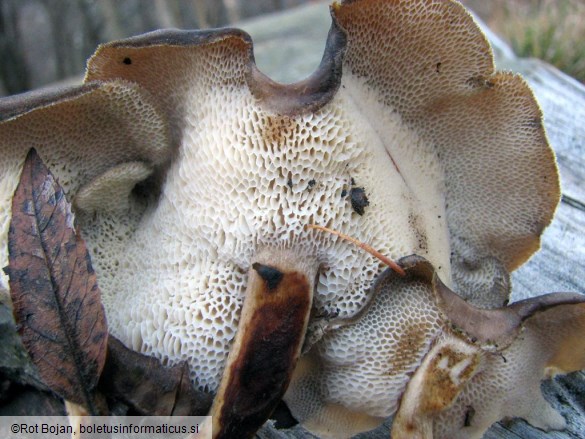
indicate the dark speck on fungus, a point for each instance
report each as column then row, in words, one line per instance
column 469, row 416
column 271, row 275
column 359, row 200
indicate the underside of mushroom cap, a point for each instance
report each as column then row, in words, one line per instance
column 83, row 133
column 426, row 61
column 296, row 155
column 429, row 61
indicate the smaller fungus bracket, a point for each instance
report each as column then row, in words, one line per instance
column 551, row 342
column 524, row 342
column 441, row 347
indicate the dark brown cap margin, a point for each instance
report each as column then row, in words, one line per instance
column 313, row 92
column 493, row 328
column 305, row 96
column 179, row 37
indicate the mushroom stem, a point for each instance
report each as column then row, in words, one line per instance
column 265, row 351
column 371, row 250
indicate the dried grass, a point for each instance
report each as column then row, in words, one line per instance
column 552, row 30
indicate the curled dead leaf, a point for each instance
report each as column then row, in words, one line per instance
column 147, row 386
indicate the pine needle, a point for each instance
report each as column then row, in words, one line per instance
column 389, row 262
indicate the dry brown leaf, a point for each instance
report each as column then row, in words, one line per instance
column 54, row 290
column 147, row 386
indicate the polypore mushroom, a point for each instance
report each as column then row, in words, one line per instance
column 193, row 176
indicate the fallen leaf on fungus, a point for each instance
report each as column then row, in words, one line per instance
column 147, row 386
column 54, row 291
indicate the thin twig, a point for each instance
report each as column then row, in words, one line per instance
column 389, row 262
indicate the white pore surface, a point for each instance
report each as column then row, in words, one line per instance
column 246, row 180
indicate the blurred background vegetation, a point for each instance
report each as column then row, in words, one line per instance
column 44, row 41
column 552, row 30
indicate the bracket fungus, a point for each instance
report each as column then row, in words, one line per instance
column 193, row 176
